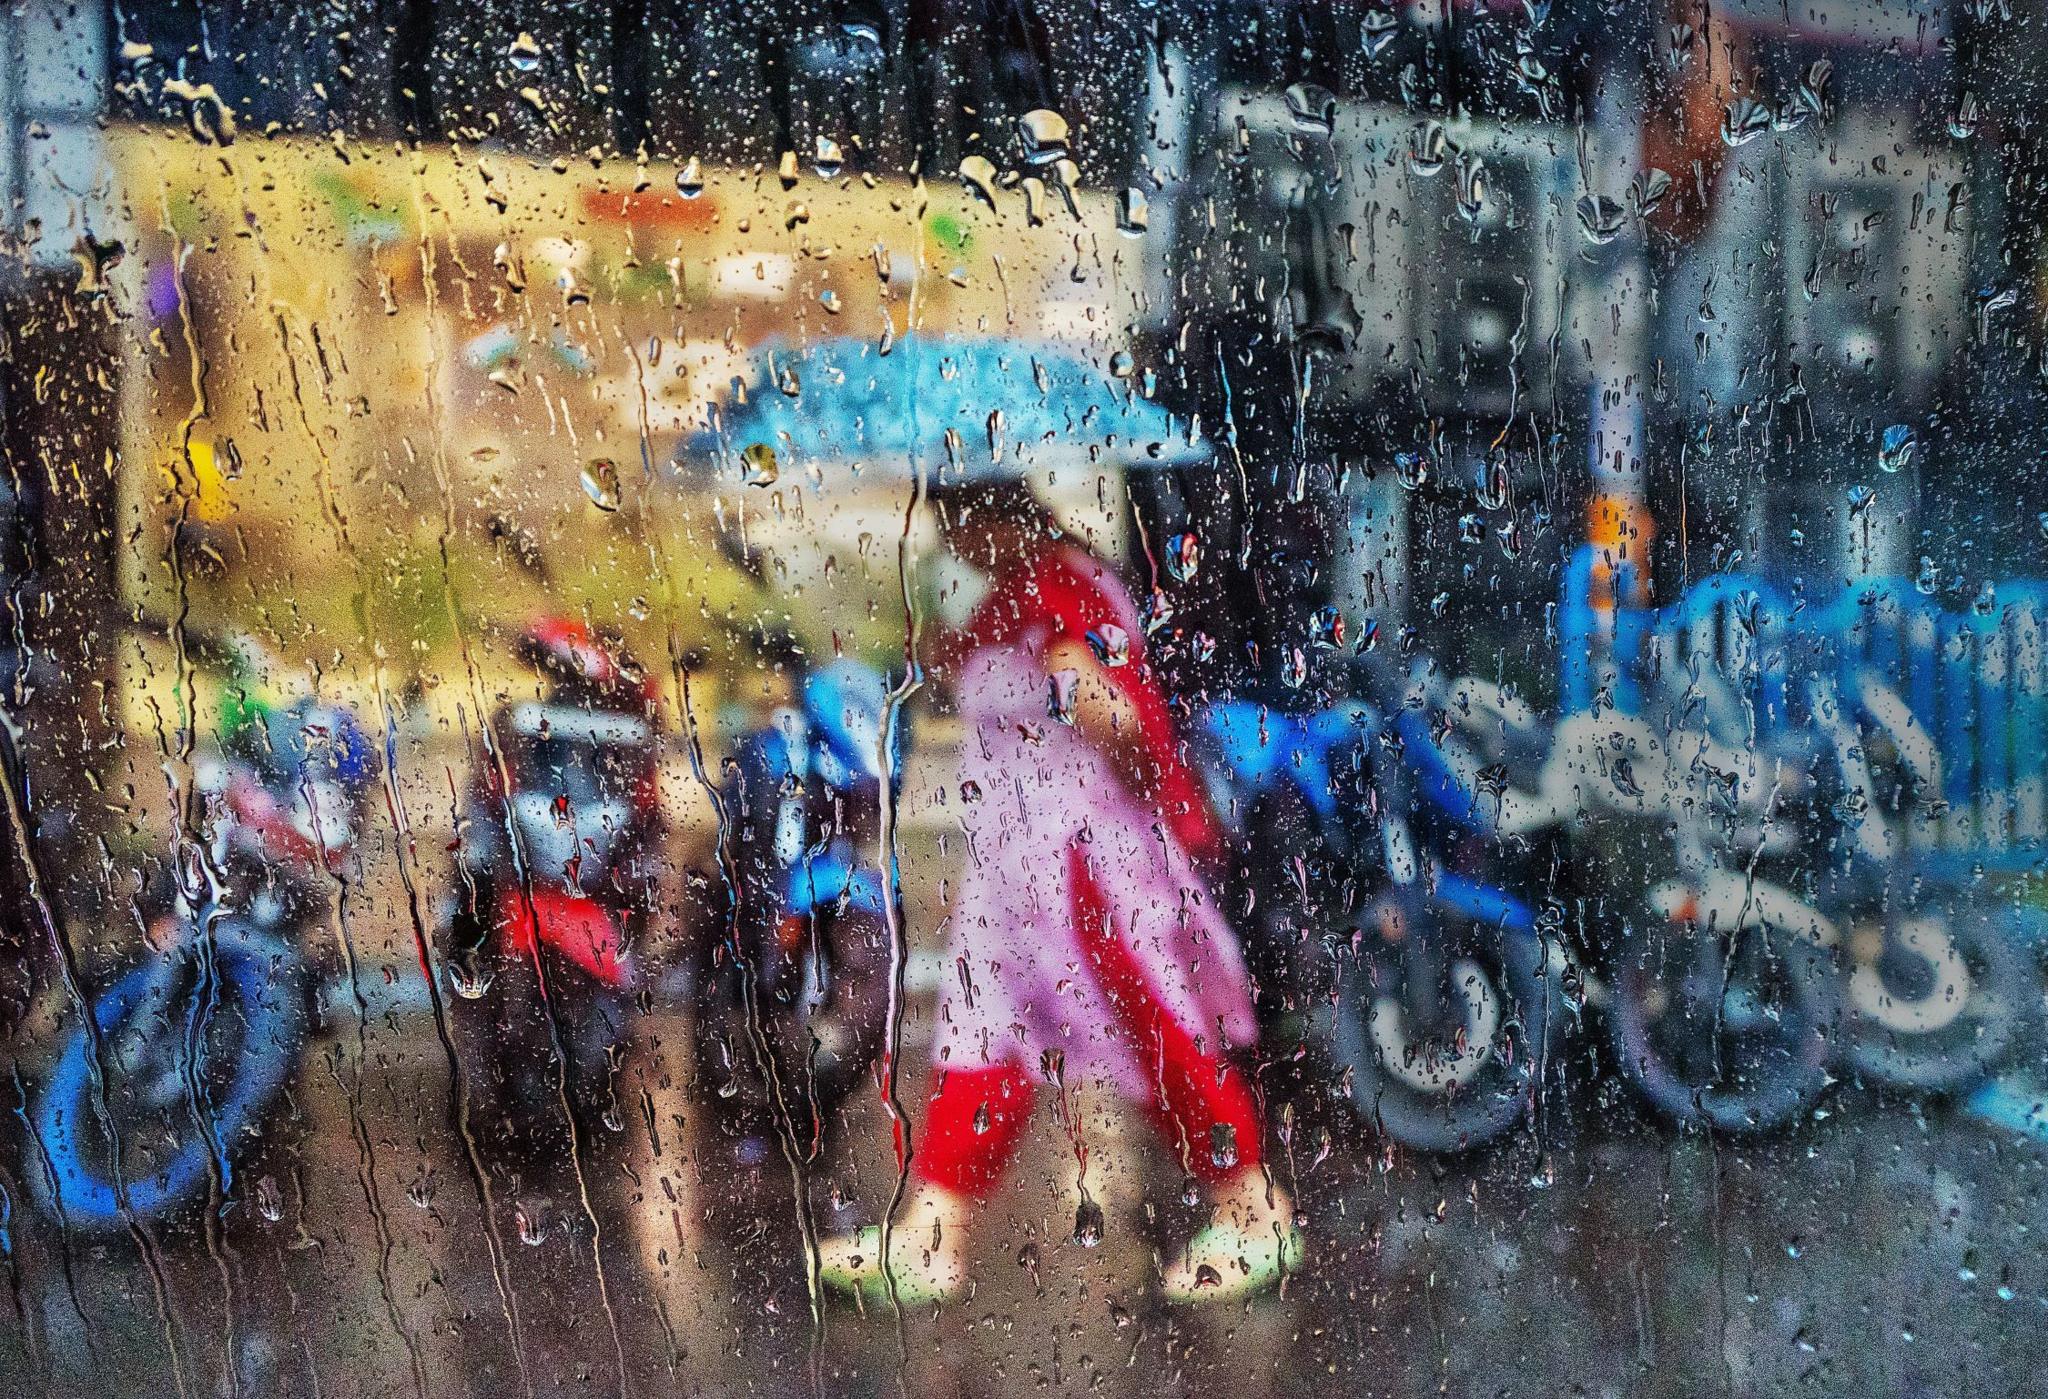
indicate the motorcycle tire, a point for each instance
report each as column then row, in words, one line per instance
column 1936, row 1002
column 1451, row 1093
column 1735, row 1035
column 158, row 1160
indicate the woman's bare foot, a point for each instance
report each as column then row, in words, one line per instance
column 927, row 1252
column 1249, row 1244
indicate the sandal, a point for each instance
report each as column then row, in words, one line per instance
column 1229, row 1262
column 851, row 1265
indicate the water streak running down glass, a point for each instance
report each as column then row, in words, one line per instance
column 957, row 698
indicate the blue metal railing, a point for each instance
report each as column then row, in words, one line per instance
column 1976, row 680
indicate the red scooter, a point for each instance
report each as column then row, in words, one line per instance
column 555, row 859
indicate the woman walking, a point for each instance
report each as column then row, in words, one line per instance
column 1088, row 947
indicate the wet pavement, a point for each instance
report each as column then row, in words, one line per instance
column 387, row 1240
column 1881, row 1249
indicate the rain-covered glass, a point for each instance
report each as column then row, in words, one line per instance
column 973, row 696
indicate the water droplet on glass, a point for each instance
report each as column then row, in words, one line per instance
column 1311, row 108
column 1964, row 120
column 1986, row 601
column 213, row 121
column 1326, row 628
column 1601, row 219
column 978, row 173
column 827, row 158
column 1045, row 134
column 1429, row 150
column 759, row 466
column 1744, row 121
column 1111, row 644
column 531, row 1216
column 1133, row 212
column 1088, row 1222
column 96, row 257
column 1647, row 190
column 1293, row 667
column 1411, row 469
column 1813, row 87
column 1062, row 689
column 981, row 1118
column 601, row 483
column 524, row 54
column 269, row 1199
column 690, row 179
column 1183, row 557
column 1495, row 481
column 469, row 978
column 1895, row 451
column 1473, row 186
column 1861, row 498
column 1928, row 579
column 970, row 792
column 1158, row 612
column 1377, row 30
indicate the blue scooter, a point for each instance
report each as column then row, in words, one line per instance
column 152, row 1108
column 802, row 978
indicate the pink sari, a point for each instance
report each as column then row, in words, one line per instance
column 1041, row 807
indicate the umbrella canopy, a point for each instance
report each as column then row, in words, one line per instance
column 964, row 410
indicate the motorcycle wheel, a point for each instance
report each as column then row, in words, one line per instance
column 1936, row 1001
column 822, row 1012
column 1734, row 1034
column 1449, row 1062
column 169, row 1036
column 848, row 1018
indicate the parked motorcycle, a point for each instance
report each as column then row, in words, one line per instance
column 154, row 1107
column 1427, row 989
column 794, row 990
column 554, row 866
column 1454, row 999
column 1939, row 986
column 1464, row 985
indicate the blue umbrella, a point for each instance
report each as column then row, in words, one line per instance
column 962, row 409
